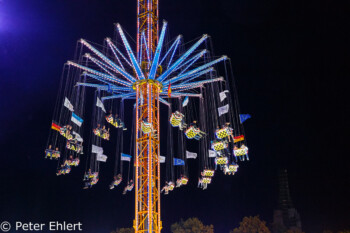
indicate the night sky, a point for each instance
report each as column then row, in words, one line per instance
column 289, row 62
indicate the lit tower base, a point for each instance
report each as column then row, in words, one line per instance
column 147, row 168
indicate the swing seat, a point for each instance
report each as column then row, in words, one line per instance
column 206, row 180
column 56, row 154
column 176, row 119
column 63, row 132
column 97, row 132
column 192, row 132
column 130, row 187
column 221, row 160
column 232, row 167
column 94, row 181
column 146, row 127
column 117, row 182
column 184, row 180
column 208, row 173
column 241, row 151
column 219, row 145
column 223, row 133
column 110, row 119
column 171, row 186
column 75, row 162
column 105, row 136
column 48, row 153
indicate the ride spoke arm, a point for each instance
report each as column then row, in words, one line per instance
column 123, row 96
column 104, row 87
column 190, row 73
column 130, row 53
column 99, row 74
column 191, row 61
column 154, row 65
column 181, row 59
column 107, row 60
column 114, row 49
column 174, row 45
column 164, row 101
column 100, row 64
column 196, row 84
column 182, row 94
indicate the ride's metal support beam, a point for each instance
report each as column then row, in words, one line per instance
column 104, row 87
column 173, row 46
column 147, row 22
column 190, row 73
column 154, row 65
column 192, row 85
column 147, row 166
column 181, row 59
column 99, row 74
column 130, row 53
column 121, row 96
column 107, row 60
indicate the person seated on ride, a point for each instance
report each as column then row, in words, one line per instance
column 105, row 133
column 202, row 184
column 56, row 154
column 119, row 122
column 48, row 152
column 117, row 180
column 87, row 174
column 129, row 187
column 224, row 132
column 79, row 148
column 75, row 162
column 165, row 189
column 97, row 130
column 110, row 118
column 241, row 153
column 171, row 186
column 147, row 127
column 208, row 172
column 65, row 131
column 177, row 120
column 219, row 145
column 193, row 131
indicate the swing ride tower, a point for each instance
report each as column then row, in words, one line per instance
column 157, row 71
column 147, row 164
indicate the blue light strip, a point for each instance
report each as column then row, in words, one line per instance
column 181, row 59
column 191, row 61
column 107, row 60
column 196, row 84
column 143, row 37
column 198, row 75
column 109, row 42
column 164, row 101
column 131, row 54
column 117, row 96
column 175, row 79
column 154, row 65
column 182, row 94
column 101, row 64
column 101, row 75
column 104, row 87
column 175, row 43
column 115, row 49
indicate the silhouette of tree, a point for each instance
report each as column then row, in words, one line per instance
column 191, row 225
column 251, row 225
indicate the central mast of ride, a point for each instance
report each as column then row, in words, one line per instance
column 147, row 168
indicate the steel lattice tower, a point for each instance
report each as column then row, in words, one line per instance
column 147, row 170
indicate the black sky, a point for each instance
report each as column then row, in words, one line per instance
column 290, row 63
